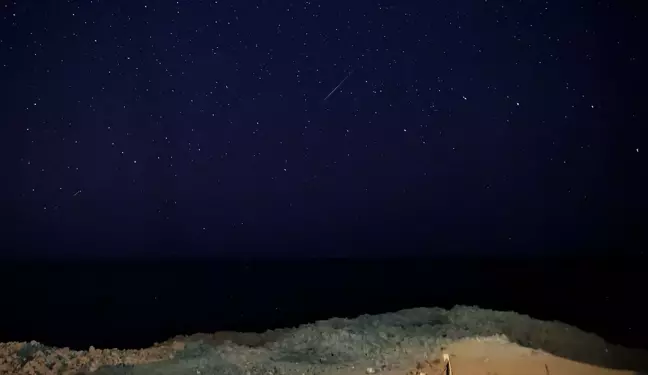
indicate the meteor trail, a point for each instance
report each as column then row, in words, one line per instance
column 337, row 87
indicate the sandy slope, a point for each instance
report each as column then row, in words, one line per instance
column 492, row 356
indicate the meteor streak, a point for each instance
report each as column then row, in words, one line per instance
column 337, row 87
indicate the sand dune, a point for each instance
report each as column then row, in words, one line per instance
column 493, row 356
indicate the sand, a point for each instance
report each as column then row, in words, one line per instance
column 490, row 357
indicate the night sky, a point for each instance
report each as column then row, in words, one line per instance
column 320, row 128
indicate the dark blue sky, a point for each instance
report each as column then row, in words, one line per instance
column 215, row 127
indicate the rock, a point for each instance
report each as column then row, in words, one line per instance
column 178, row 345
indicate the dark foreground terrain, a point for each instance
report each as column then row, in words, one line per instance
column 318, row 317
column 393, row 343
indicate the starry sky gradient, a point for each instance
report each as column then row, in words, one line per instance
column 209, row 127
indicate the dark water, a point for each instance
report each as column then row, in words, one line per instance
column 134, row 304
